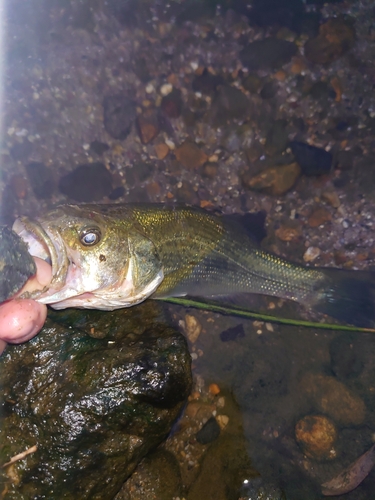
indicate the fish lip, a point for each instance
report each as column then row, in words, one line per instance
column 31, row 229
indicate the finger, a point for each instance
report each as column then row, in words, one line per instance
column 42, row 277
column 21, row 319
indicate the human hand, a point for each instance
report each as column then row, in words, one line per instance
column 21, row 319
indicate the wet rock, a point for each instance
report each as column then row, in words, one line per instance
column 209, row 432
column 99, row 148
column 224, row 468
column 336, row 37
column 252, row 83
column 16, row 264
column 319, row 217
column 232, row 334
column 277, row 137
column 329, row 396
column 311, row 254
column 190, row 155
column 347, row 356
column 312, row 160
column 119, row 114
column 270, row 53
column 157, row 477
column 86, row 183
column 236, row 138
column 288, row 232
column 21, row 150
column 171, row 104
column 18, row 185
column 210, row 170
column 207, row 83
column 317, row 435
column 269, row 90
column 273, row 180
column 322, row 91
column 41, row 179
column 230, row 103
column 93, row 406
column 148, row 125
column 161, row 150
column 332, row 198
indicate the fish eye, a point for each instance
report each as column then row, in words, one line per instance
column 90, row 236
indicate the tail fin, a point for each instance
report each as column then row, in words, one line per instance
column 348, row 296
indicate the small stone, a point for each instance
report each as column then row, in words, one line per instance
column 190, row 155
column 311, row 254
column 209, row 432
column 233, row 333
column 317, row 435
column 119, row 113
column 331, row 397
column 332, row 198
column 192, row 328
column 209, row 170
column 223, row 421
column 336, row 36
column 161, row 150
column 98, row 147
column 319, row 217
column 214, row 389
column 117, row 193
column 312, row 160
column 287, row 233
column 18, row 185
column 86, row 183
column 273, row 180
column 207, row 83
column 148, row 125
column 171, row 104
column 166, row 89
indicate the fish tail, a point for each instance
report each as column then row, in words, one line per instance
column 348, row 296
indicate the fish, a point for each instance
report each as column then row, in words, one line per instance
column 109, row 256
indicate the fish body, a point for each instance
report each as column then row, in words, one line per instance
column 112, row 256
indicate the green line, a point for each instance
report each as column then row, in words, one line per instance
column 214, row 307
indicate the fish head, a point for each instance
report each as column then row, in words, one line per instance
column 98, row 261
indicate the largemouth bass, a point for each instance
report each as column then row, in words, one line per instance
column 112, row 256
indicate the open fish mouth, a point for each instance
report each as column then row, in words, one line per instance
column 47, row 245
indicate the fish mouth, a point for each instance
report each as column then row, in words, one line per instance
column 47, row 245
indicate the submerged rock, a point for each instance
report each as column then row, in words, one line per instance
column 16, row 264
column 119, row 114
column 94, row 407
column 270, row 53
column 86, row 183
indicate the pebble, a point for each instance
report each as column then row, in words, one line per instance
column 161, row 150
column 190, row 155
column 119, row 113
column 287, row 233
column 312, row 160
column 273, row 180
column 86, row 183
column 319, row 217
column 332, row 198
column 311, row 254
column 317, row 435
column 214, row 389
column 329, row 396
column 223, row 421
column 166, row 89
column 147, row 125
column 209, row 432
column 336, row 36
column 171, row 104
column 192, row 328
